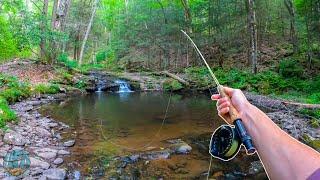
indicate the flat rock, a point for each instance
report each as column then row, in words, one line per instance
column 38, row 163
column 54, row 174
column 69, row 143
column 63, row 152
column 14, row 138
column 43, row 132
column 46, row 153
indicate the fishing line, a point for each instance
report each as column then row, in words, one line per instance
column 145, row 145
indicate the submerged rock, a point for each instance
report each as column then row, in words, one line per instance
column 179, row 146
column 255, row 168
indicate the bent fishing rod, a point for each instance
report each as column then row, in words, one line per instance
column 226, row 140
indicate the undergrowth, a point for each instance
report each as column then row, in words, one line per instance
column 287, row 84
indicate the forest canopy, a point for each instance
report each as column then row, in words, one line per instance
column 148, row 31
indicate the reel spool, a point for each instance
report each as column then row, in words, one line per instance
column 225, row 143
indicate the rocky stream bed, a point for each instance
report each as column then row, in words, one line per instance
column 43, row 138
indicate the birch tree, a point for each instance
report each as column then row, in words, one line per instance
column 94, row 9
column 253, row 52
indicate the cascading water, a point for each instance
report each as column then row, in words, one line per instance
column 123, row 86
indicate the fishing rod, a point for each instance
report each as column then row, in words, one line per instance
column 226, row 140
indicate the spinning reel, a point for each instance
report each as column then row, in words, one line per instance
column 226, row 141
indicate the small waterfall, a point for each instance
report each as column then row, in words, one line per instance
column 100, row 85
column 123, row 86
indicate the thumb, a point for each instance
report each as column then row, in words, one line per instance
column 228, row 91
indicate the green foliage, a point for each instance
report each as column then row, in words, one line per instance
column 8, row 44
column 290, row 68
column 101, row 56
column 81, row 84
column 64, row 59
column 12, row 89
column 6, row 114
column 311, row 112
column 46, row 88
column 172, row 85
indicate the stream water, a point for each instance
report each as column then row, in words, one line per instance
column 114, row 124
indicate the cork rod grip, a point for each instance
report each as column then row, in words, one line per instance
column 234, row 114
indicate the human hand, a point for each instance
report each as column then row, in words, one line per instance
column 224, row 104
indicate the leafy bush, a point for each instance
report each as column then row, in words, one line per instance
column 64, row 59
column 101, row 56
column 47, row 89
column 6, row 114
column 172, row 85
column 290, row 68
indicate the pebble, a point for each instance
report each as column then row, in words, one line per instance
column 63, row 152
column 46, row 153
column 58, row 161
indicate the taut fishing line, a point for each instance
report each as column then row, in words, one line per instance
column 145, row 145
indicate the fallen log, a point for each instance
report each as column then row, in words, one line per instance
column 182, row 81
column 302, row 105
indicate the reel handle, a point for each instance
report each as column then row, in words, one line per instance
column 237, row 122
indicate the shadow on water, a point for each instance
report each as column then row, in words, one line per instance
column 104, row 123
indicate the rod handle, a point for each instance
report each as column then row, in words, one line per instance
column 234, row 114
column 235, row 120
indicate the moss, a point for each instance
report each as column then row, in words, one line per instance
column 314, row 143
column 172, row 85
column 314, row 123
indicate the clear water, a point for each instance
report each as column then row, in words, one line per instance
column 107, row 123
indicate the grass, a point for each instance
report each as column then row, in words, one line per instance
column 172, row 85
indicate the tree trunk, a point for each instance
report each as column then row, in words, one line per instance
column 43, row 27
column 187, row 14
column 94, row 9
column 253, row 36
column 293, row 34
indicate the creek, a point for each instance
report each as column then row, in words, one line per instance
column 109, row 125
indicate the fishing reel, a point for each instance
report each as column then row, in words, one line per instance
column 226, row 142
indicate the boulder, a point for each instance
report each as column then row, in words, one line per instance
column 14, row 138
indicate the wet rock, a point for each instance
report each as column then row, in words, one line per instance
column 43, row 132
column 69, row 143
column 164, row 154
column 63, row 152
column 179, row 146
column 14, row 138
column 255, row 167
column 76, row 175
column 54, row 174
column 58, row 161
column 38, row 163
column 46, row 153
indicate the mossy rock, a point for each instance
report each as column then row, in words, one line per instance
column 314, row 123
column 314, row 143
column 172, row 85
